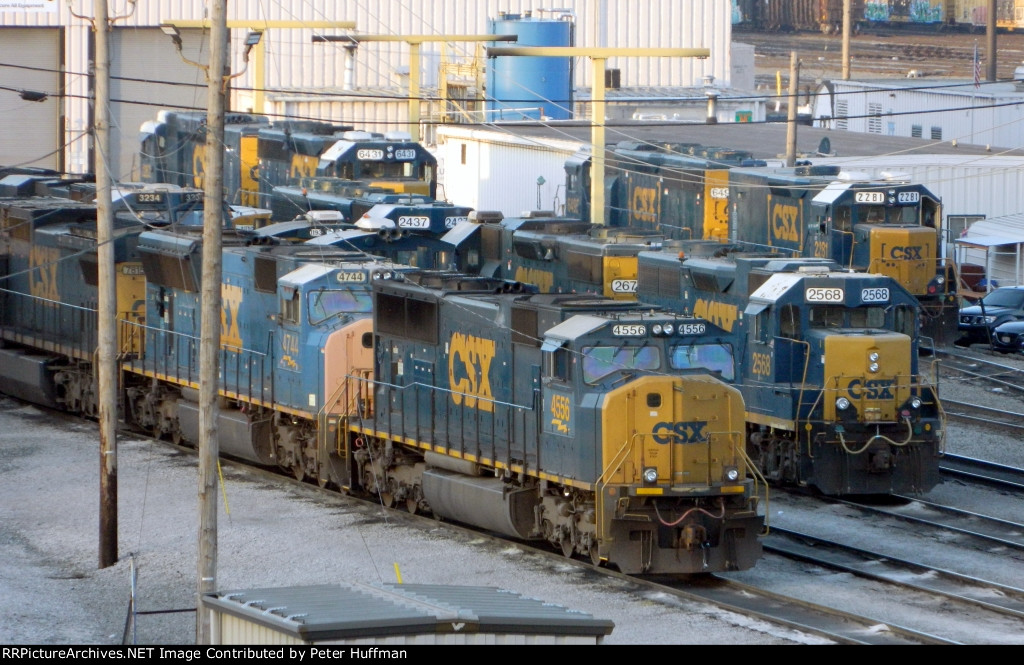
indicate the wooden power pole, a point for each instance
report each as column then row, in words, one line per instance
column 106, row 306
column 846, row 39
column 794, row 81
column 210, row 305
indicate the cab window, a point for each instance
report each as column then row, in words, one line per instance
column 600, row 361
column 715, row 358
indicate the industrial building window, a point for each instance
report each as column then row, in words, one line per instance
column 936, row 133
column 874, row 118
column 842, row 112
column 916, row 131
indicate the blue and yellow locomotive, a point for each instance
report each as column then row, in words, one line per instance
column 592, row 424
column 829, row 367
column 261, row 155
column 888, row 227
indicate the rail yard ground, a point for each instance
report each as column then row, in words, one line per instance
column 53, row 592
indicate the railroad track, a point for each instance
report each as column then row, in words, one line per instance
column 983, row 529
column 899, row 572
column 981, row 471
column 986, row 416
column 787, row 612
column 1000, row 375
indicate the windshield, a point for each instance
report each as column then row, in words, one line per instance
column 837, row 316
column 715, row 358
column 600, row 361
column 1011, row 298
column 325, row 304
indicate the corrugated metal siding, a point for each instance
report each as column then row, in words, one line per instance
column 501, row 170
column 294, row 61
column 32, row 133
column 990, row 118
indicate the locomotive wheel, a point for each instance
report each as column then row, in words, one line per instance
column 567, row 546
column 411, row 505
column 298, row 470
column 387, row 499
column 595, row 556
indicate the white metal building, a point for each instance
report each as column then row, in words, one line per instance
column 990, row 114
column 41, row 38
column 498, row 170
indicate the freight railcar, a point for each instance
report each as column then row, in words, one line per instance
column 577, row 420
column 885, row 226
column 261, row 155
column 827, row 15
column 828, row 367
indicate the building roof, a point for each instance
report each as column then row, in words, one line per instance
column 340, row 611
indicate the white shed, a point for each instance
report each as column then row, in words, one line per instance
column 997, row 245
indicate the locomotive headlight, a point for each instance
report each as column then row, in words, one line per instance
column 842, row 404
column 668, row 328
column 732, row 474
column 873, row 367
column 650, row 475
column 940, row 280
column 656, row 329
column 915, row 402
column 873, row 357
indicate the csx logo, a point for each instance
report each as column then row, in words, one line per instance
column 645, row 204
column 873, row 389
column 784, row 223
column 303, row 166
column 681, row 432
column 906, row 253
column 469, row 366
column 542, row 278
column 722, row 315
column 43, row 274
column 231, row 300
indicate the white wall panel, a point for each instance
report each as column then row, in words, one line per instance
column 293, row 61
column 32, row 134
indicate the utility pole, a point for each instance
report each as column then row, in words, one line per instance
column 990, row 49
column 794, row 75
column 846, row 39
column 210, row 305
column 106, row 360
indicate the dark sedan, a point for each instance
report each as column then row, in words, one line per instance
column 1009, row 337
column 977, row 321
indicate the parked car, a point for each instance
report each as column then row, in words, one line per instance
column 978, row 321
column 1009, row 337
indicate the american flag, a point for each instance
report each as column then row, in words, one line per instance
column 977, row 68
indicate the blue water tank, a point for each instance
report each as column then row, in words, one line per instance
column 529, row 87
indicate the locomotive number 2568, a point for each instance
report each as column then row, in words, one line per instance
column 823, row 294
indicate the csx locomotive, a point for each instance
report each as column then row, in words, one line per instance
column 261, row 155
column 827, row 363
column 588, row 423
column 886, row 226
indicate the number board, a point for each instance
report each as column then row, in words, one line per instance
column 908, row 197
column 869, row 197
column 413, row 222
column 623, row 286
column 350, row 277
column 692, row 328
column 405, row 154
column 876, row 294
column 828, row 294
column 629, row 330
column 150, row 197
